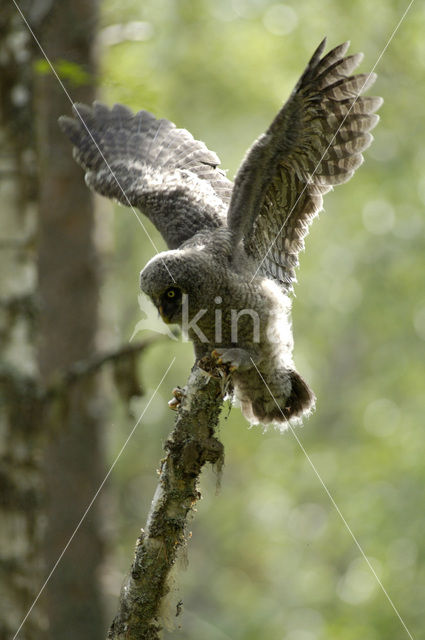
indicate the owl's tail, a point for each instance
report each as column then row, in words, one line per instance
column 277, row 399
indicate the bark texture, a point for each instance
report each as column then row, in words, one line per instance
column 21, row 486
column 190, row 445
column 68, row 290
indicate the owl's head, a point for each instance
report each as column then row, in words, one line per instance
column 172, row 274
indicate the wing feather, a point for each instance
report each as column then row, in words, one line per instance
column 148, row 163
column 315, row 142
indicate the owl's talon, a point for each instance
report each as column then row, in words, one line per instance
column 174, row 404
column 232, row 359
column 179, row 393
column 209, row 366
column 223, row 365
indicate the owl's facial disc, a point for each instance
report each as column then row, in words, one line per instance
column 170, row 305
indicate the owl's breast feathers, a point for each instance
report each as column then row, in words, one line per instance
column 247, row 320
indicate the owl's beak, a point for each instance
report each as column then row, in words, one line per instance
column 164, row 317
column 157, row 302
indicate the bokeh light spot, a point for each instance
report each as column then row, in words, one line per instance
column 358, row 583
column 280, row 19
column 381, row 417
column 378, row 216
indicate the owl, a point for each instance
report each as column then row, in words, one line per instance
column 228, row 274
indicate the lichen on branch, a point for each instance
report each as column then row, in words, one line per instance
column 191, row 444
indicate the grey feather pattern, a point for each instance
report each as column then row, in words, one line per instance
column 148, row 163
column 315, row 142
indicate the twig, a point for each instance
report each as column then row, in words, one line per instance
column 190, row 445
column 89, row 366
column 16, row 243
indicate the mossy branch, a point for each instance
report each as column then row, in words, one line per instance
column 190, row 445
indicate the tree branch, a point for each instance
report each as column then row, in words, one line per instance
column 190, row 445
column 84, row 368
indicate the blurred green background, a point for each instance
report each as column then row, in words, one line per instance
column 270, row 557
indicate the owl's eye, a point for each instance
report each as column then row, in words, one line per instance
column 173, row 293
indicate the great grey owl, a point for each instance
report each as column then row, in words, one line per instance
column 233, row 248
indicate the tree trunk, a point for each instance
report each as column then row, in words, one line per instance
column 68, row 287
column 21, row 486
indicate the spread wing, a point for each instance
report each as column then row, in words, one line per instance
column 315, row 142
column 150, row 164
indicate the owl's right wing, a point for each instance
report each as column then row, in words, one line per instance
column 315, row 142
column 148, row 163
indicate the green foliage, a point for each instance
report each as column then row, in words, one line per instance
column 74, row 73
column 270, row 557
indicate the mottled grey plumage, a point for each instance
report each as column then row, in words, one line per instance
column 234, row 248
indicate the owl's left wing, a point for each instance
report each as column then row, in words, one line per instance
column 315, row 142
column 148, row 163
